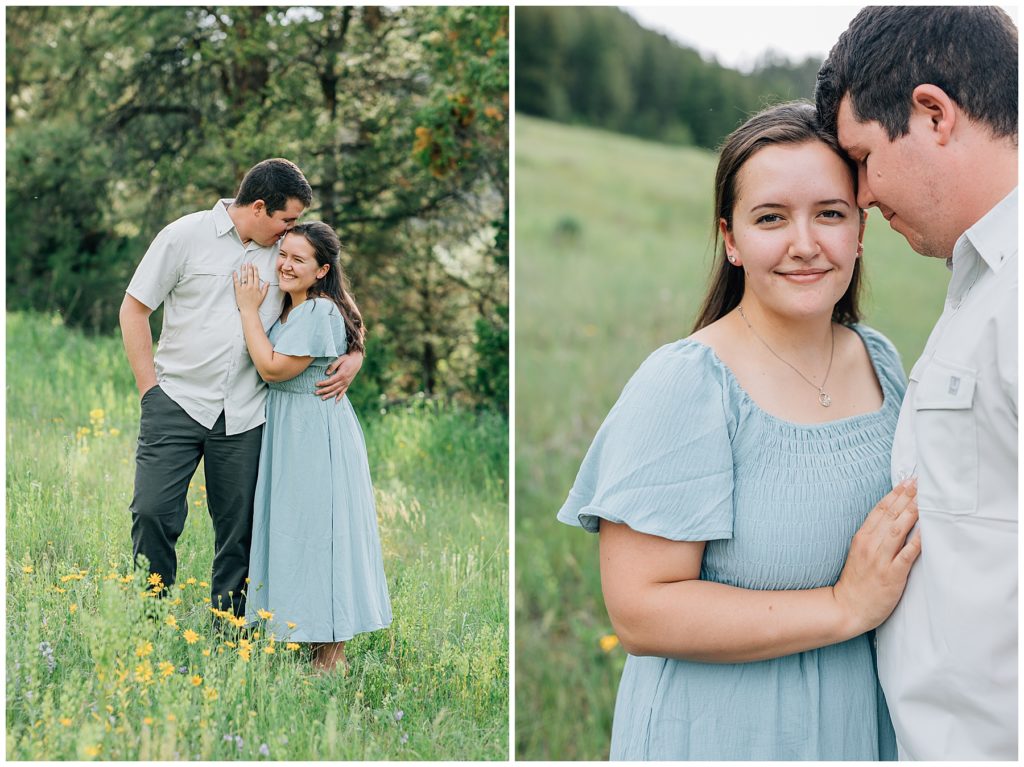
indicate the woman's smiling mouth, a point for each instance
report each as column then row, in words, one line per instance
column 804, row 276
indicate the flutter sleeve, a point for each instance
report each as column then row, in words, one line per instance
column 315, row 328
column 662, row 460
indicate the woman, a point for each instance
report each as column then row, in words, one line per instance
column 315, row 562
column 731, row 476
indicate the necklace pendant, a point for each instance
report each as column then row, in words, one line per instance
column 824, row 399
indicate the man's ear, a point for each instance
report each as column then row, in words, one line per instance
column 933, row 106
column 259, row 207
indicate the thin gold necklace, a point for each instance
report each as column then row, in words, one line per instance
column 823, row 399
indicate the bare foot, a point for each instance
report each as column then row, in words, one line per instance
column 329, row 656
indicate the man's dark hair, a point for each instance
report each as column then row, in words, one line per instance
column 968, row 51
column 275, row 182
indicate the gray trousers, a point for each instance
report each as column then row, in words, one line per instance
column 170, row 446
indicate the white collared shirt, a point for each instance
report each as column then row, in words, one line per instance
column 947, row 657
column 201, row 360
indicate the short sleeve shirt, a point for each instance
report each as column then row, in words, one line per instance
column 947, row 656
column 201, row 360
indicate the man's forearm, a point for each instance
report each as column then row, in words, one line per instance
column 138, row 343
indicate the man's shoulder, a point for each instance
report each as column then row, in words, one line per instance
column 197, row 223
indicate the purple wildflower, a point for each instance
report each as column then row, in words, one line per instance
column 398, row 715
column 264, row 749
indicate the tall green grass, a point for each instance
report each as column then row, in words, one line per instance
column 98, row 670
column 613, row 250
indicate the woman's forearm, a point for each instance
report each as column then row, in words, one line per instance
column 260, row 348
column 711, row 622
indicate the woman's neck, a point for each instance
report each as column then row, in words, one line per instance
column 796, row 338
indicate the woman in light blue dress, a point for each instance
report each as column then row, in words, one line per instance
column 732, row 484
column 315, row 563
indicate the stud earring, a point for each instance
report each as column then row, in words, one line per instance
column 732, row 258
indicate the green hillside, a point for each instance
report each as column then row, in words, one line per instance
column 613, row 248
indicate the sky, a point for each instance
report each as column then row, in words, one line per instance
column 738, row 35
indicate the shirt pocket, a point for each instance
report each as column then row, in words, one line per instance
column 946, row 435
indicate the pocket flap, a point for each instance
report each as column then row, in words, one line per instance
column 945, row 385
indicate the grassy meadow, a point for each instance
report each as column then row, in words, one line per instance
column 98, row 669
column 613, row 248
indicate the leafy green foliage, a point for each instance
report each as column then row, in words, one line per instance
column 121, row 119
column 599, row 67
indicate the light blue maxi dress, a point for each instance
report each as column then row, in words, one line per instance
column 685, row 454
column 315, row 559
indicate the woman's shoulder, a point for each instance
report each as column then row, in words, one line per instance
column 680, row 364
column 677, row 379
column 882, row 351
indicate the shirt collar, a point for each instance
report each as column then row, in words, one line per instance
column 221, row 217
column 991, row 241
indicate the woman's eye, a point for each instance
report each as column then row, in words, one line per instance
column 769, row 218
column 833, row 214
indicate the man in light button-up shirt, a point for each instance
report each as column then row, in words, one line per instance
column 924, row 99
column 201, row 396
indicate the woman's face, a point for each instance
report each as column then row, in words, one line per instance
column 796, row 229
column 297, row 268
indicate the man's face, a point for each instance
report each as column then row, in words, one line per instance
column 899, row 178
column 271, row 228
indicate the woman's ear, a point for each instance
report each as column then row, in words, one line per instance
column 731, row 253
column 322, row 272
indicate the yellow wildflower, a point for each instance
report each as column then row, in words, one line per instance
column 206, row 653
column 27, row 569
column 66, row 721
column 244, row 653
column 126, row 579
column 166, row 668
column 269, row 650
column 196, row 680
column 172, row 718
column 171, row 621
column 93, row 750
column 114, row 432
column 73, row 608
column 204, row 584
column 291, row 625
column 211, row 694
column 191, row 581
column 608, row 642
column 265, row 614
column 155, row 579
column 206, row 600
column 148, row 720
column 190, row 636
column 292, row 646
column 230, row 644
column 144, row 649
column 96, row 414
column 58, row 589
column 143, row 672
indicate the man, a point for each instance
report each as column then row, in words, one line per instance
column 924, row 99
column 201, row 396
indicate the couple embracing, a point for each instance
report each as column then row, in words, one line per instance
column 772, row 606
column 260, row 341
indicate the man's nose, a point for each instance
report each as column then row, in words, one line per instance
column 865, row 197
